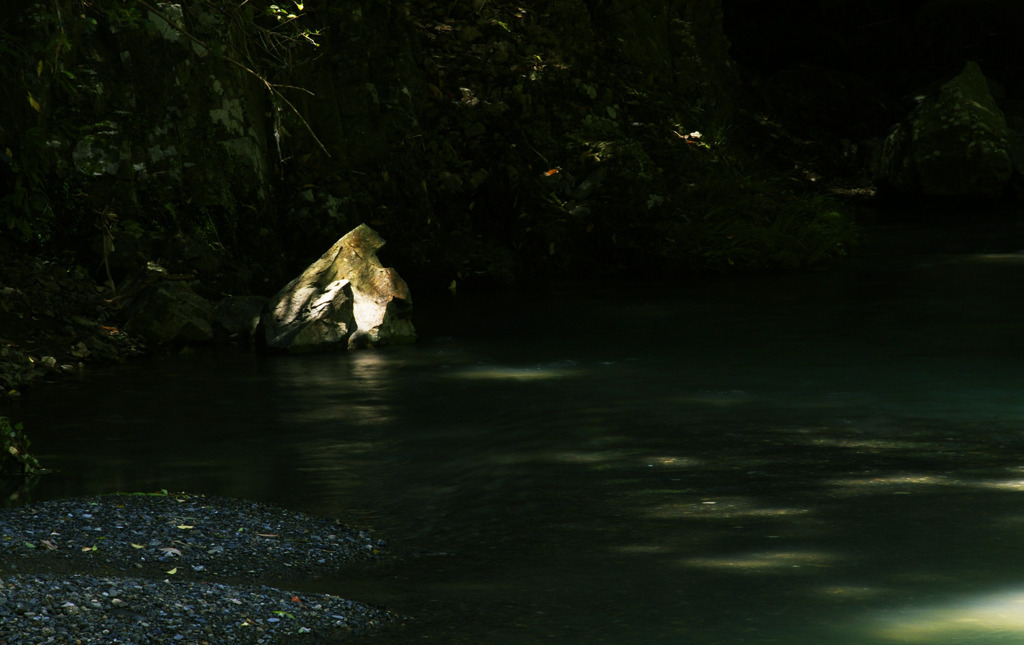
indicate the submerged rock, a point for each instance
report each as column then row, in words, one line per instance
column 345, row 299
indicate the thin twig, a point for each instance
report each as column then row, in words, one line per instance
column 294, row 87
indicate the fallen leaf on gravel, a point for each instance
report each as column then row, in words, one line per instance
column 267, row 534
column 172, row 571
column 185, row 526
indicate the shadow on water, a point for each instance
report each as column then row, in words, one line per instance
column 828, row 458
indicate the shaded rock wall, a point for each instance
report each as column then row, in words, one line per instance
column 429, row 121
column 136, row 117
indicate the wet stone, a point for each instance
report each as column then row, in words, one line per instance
column 94, row 592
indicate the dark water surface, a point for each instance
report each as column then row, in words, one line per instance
column 824, row 458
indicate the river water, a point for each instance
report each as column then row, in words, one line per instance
column 832, row 457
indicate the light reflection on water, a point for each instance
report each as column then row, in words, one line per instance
column 828, row 458
column 999, row 616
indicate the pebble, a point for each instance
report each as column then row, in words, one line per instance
column 173, row 568
column 90, row 609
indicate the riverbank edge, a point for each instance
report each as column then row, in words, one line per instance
column 128, row 568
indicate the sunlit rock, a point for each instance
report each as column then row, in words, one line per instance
column 346, row 299
column 954, row 144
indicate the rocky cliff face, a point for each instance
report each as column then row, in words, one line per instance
column 250, row 126
column 135, row 117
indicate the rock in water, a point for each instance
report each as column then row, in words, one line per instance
column 954, row 144
column 346, row 299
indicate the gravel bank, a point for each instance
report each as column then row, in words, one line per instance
column 174, row 569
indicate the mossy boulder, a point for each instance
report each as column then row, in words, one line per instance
column 955, row 144
column 345, row 299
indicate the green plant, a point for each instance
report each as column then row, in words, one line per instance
column 27, row 206
column 36, row 98
column 15, row 459
column 737, row 222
